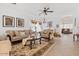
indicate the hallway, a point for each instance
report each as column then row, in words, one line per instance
column 64, row 47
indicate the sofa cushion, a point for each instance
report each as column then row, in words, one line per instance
column 22, row 33
column 16, row 38
column 17, row 33
column 27, row 32
column 25, row 36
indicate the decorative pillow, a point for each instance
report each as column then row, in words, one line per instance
column 26, row 32
column 22, row 33
column 11, row 33
column 17, row 33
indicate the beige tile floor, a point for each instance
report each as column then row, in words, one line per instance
column 5, row 47
column 64, row 47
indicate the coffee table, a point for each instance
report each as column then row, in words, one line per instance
column 31, row 40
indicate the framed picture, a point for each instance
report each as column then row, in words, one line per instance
column 8, row 21
column 19, row 22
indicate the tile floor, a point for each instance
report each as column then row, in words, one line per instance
column 65, row 46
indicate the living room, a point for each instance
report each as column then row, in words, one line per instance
column 16, row 22
column 22, row 23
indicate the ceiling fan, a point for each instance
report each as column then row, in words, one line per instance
column 46, row 10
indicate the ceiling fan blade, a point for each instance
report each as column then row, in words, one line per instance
column 45, row 13
column 47, row 8
column 49, row 11
column 44, row 7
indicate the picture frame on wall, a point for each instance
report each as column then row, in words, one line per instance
column 8, row 21
column 19, row 22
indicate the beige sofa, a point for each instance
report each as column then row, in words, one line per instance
column 53, row 34
column 17, row 35
column 48, row 33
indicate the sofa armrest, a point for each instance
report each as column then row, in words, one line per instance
column 9, row 37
